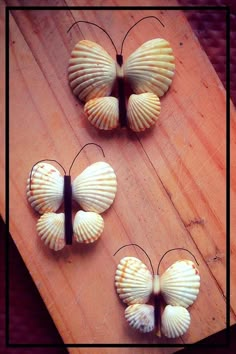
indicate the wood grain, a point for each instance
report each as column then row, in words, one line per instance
column 171, row 179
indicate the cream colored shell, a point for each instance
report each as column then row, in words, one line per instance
column 91, row 71
column 103, row 112
column 88, row 226
column 133, row 281
column 143, row 111
column 175, row 321
column 95, row 188
column 151, row 67
column 45, row 188
column 141, row 317
column 50, row 228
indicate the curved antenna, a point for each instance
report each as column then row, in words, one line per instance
column 80, row 152
column 51, row 160
column 134, row 244
column 144, row 18
column 174, row 249
column 94, row 24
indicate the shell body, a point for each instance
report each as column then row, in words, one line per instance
column 143, row 111
column 45, row 190
column 151, row 67
column 50, row 228
column 133, row 281
column 87, row 226
column 175, row 321
column 103, row 112
column 95, row 188
column 91, row 71
column 141, row 317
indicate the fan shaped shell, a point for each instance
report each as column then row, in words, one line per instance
column 141, row 317
column 95, row 188
column 143, row 111
column 88, row 226
column 50, row 228
column 175, row 321
column 151, row 67
column 91, row 71
column 103, row 112
column 45, row 188
column 180, row 283
column 133, row 281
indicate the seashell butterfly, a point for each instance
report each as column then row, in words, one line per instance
column 178, row 285
column 93, row 74
column 94, row 190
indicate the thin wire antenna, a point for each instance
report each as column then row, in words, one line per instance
column 80, row 152
column 134, row 244
column 94, row 24
column 144, row 18
column 174, row 249
column 48, row 160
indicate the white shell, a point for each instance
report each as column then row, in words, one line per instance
column 143, row 111
column 180, row 283
column 141, row 317
column 133, row 281
column 50, row 228
column 91, row 71
column 175, row 321
column 103, row 112
column 88, row 226
column 151, row 67
column 95, row 188
column 45, row 190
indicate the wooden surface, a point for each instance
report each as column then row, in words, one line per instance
column 171, row 179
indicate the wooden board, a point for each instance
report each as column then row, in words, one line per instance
column 171, row 179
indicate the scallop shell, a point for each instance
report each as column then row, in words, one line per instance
column 175, row 321
column 88, row 226
column 180, row 283
column 50, row 228
column 91, row 71
column 143, row 111
column 103, row 112
column 133, row 281
column 45, row 188
column 95, row 188
column 151, row 67
column 141, row 317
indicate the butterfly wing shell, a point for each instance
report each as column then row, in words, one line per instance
column 133, row 281
column 151, row 67
column 143, row 111
column 50, row 228
column 180, row 283
column 103, row 112
column 45, row 188
column 91, row 71
column 141, row 317
column 95, row 188
column 175, row 321
column 88, row 226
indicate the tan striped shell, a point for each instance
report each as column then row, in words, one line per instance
column 141, row 317
column 50, row 228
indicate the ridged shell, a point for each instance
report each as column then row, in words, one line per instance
column 95, row 188
column 50, row 228
column 91, row 71
column 133, row 281
column 103, row 112
column 175, row 321
column 45, row 191
column 151, row 67
column 143, row 111
column 180, row 283
column 88, row 226
column 141, row 317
